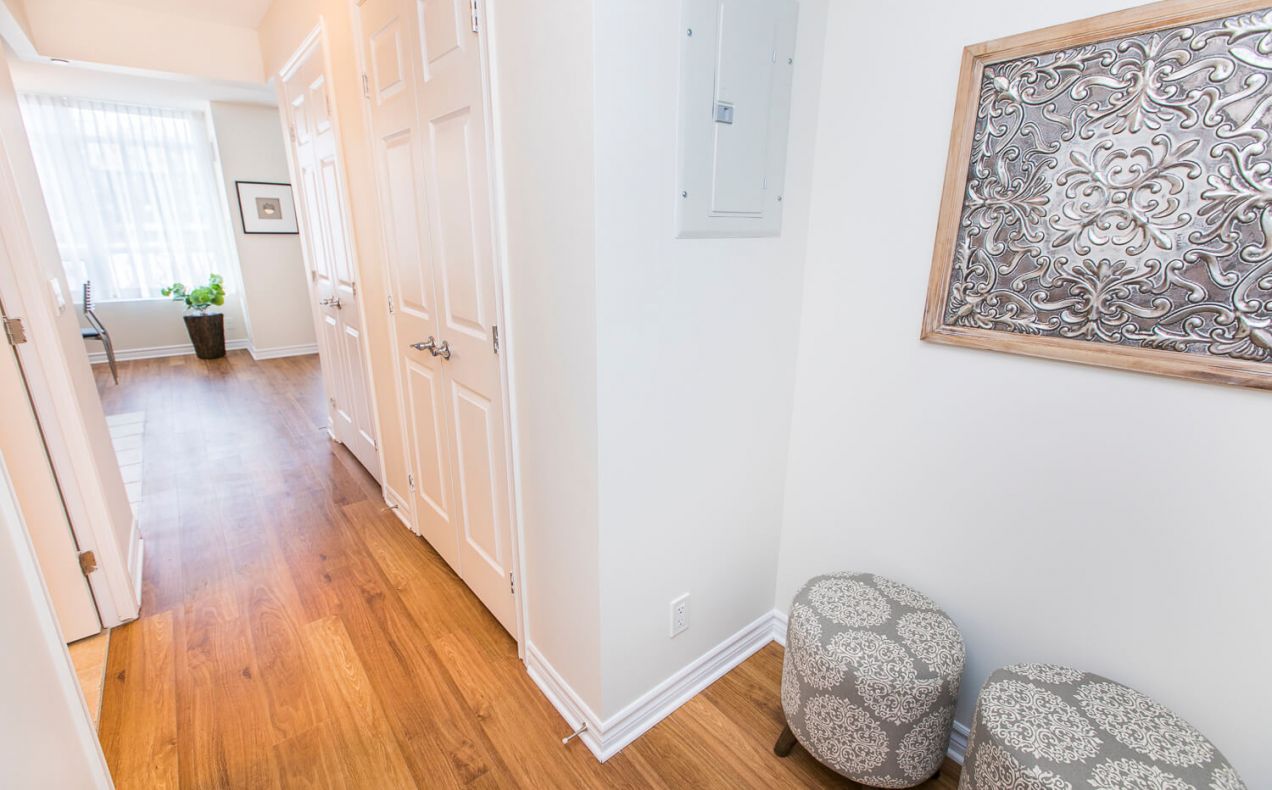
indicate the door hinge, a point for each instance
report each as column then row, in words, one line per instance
column 292, row 129
column 88, row 562
column 494, row 337
column 476, row 18
column 512, row 585
column 390, row 303
column 410, row 482
column 333, row 403
column 353, row 286
column 366, row 87
column 14, row 331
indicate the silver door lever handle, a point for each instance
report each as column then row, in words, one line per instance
column 331, row 302
column 429, row 345
column 442, row 350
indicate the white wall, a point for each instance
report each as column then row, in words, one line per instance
column 154, row 327
column 46, row 736
column 275, row 294
column 695, row 364
column 1103, row 519
column 549, row 177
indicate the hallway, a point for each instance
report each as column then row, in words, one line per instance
column 294, row 633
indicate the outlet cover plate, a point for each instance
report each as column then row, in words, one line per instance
column 680, row 615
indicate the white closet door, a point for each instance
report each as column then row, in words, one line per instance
column 428, row 113
column 333, row 275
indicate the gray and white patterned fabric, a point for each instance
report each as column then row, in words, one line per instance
column 870, row 678
column 1048, row 727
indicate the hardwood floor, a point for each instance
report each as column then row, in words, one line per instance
column 295, row 634
column 89, row 657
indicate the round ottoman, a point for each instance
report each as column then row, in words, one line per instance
column 1054, row 728
column 870, row 678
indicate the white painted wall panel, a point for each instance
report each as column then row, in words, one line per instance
column 1103, row 519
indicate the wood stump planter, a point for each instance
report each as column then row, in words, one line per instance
column 207, row 333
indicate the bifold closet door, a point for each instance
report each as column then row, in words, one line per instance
column 428, row 114
column 333, row 275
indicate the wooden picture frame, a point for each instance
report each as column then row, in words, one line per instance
column 1160, row 16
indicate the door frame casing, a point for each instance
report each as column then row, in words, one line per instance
column 318, row 38
column 507, row 334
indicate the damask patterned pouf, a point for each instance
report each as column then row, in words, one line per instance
column 870, row 679
column 1054, row 728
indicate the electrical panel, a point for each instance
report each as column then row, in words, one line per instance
column 737, row 59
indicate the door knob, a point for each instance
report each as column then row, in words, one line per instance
column 333, row 301
column 441, row 349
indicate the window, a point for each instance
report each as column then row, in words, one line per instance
column 132, row 192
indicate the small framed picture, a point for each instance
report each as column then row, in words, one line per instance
column 266, row 207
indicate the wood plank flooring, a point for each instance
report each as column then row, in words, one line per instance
column 89, row 657
column 295, row 634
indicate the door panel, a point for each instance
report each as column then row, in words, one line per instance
column 342, row 267
column 474, row 462
column 322, row 199
column 414, row 287
column 395, row 150
column 386, row 60
column 428, row 116
column 432, row 478
column 456, row 234
column 440, row 22
column 458, row 188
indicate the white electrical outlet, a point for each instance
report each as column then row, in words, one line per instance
column 680, row 614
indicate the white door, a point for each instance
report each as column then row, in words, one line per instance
column 333, row 276
column 40, row 499
column 427, row 110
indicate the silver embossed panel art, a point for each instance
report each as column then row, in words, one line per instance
column 1116, row 203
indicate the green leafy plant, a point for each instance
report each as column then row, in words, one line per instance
column 201, row 298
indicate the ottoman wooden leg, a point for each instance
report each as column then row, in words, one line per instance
column 785, row 742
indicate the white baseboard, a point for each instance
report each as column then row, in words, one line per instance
column 607, row 738
column 399, row 506
column 568, row 704
column 141, row 557
column 278, row 352
column 136, row 555
column 779, row 627
column 958, row 742
column 155, row 352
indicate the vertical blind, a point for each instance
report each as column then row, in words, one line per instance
column 132, row 192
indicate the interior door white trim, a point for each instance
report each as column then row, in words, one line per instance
column 318, row 38
column 507, row 333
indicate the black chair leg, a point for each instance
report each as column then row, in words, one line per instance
column 785, row 742
column 110, row 356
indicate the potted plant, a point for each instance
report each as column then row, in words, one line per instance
column 207, row 330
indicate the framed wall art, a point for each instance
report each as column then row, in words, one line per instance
column 1108, row 194
column 266, row 207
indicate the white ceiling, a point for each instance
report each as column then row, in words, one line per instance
column 239, row 13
